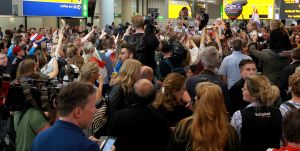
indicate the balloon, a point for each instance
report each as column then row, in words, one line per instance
column 241, row 2
column 233, row 11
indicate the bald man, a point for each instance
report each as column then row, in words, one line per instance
column 147, row 73
column 139, row 127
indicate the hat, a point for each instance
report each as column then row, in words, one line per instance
column 16, row 49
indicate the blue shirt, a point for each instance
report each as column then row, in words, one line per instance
column 63, row 136
column 230, row 67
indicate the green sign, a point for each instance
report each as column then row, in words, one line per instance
column 117, row 15
column 160, row 17
column 85, row 8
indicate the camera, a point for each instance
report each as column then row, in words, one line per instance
column 151, row 21
column 41, row 92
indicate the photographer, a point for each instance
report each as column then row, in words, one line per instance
column 144, row 39
column 30, row 119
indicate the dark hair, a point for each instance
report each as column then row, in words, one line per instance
column 193, row 68
column 291, row 126
column 237, row 44
column 166, row 46
column 72, row 96
column 245, row 61
column 214, row 44
column 296, row 53
column 108, row 43
column 129, row 47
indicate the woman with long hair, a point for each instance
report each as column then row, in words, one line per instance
column 121, row 95
column 169, row 100
column 208, row 129
column 259, row 124
column 29, row 120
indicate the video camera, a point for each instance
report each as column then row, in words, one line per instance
column 18, row 94
column 151, row 21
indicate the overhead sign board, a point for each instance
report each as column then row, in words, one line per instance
column 61, row 8
column 289, row 9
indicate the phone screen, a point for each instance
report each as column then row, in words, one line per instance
column 109, row 143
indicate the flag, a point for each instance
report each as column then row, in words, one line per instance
column 255, row 16
column 33, row 36
column 40, row 38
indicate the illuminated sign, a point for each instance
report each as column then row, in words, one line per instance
column 265, row 9
column 290, row 9
column 62, row 8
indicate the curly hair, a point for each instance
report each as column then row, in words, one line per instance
column 165, row 97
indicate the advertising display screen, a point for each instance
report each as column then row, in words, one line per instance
column 265, row 9
column 290, row 9
column 59, row 8
column 175, row 6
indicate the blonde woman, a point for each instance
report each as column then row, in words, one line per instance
column 208, row 129
column 259, row 124
column 89, row 74
column 169, row 100
column 121, row 96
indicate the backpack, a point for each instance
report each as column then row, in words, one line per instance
column 179, row 70
column 138, row 42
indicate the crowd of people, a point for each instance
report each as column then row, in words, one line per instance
column 187, row 87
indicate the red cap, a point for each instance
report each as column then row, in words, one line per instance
column 16, row 49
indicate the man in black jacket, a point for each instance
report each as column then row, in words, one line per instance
column 286, row 72
column 146, row 43
column 204, row 17
column 139, row 127
column 247, row 68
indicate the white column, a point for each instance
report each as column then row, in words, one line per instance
column 126, row 11
column 106, row 12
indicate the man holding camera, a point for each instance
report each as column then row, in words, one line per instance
column 144, row 39
column 76, row 108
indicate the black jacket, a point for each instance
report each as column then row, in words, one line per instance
column 139, row 128
column 284, row 80
column 236, row 96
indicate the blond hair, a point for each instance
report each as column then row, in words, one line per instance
column 208, row 128
column 275, row 24
column 165, row 96
column 129, row 70
column 294, row 83
column 87, row 70
column 262, row 90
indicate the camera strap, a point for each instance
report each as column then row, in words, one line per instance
column 26, row 90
